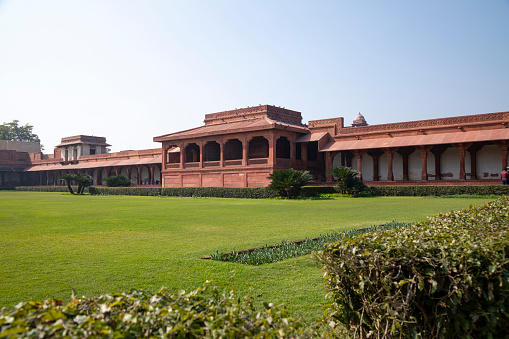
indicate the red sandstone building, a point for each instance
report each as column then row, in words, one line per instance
column 241, row 147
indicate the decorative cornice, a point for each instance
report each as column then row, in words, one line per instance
column 276, row 113
column 443, row 122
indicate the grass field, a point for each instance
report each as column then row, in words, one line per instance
column 51, row 243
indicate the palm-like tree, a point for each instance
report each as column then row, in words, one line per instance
column 347, row 180
column 288, row 182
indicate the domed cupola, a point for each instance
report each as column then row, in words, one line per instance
column 359, row 121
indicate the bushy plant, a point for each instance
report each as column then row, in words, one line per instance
column 348, row 181
column 288, row 182
column 118, row 181
column 203, row 313
column 83, row 180
column 447, row 277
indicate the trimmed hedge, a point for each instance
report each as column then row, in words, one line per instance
column 203, row 313
column 445, row 277
column 62, row 189
column 264, row 193
column 216, row 192
column 431, row 190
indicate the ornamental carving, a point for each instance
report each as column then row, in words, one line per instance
column 428, row 123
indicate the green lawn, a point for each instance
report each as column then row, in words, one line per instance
column 51, row 243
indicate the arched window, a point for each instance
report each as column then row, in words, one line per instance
column 192, row 153
column 211, row 151
column 282, row 148
column 233, row 150
column 258, row 148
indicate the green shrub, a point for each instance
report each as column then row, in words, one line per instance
column 118, row 181
column 445, row 277
column 348, row 181
column 428, row 190
column 203, row 313
column 288, row 182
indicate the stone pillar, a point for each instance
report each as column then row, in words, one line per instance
column 293, row 154
column 503, row 149
column 139, row 169
column 358, row 156
column 424, row 162
column 473, row 159
column 329, row 164
column 200, row 145
column 272, row 150
column 165, row 156
column 390, row 156
column 245, row 153
column 221, row 153
column 405, row 153
column 375, row 154
column 461, row 149
column 182, row 156
column 437, row 152
column 151, row 175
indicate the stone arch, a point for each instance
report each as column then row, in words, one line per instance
column 283, row 148
column 212, row 151
column 258, row 148
column 173, row 154
column 192, row 152
column 233, row 150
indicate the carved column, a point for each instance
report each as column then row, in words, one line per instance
column 272, row 150
column 473, row 159
column 375, row 154
column 503, row 149
column 245, row 153
column 329, row 163
column 437, row 152
column 201, row 154
column 165, row 156
column 390, row 155
column 182, row 155
column 424, row 162
column 358, row 156
column 405, row 153
column 151, row 180
column 293, row 154
column 139, row 168
column 461, row 149
column 221, row 153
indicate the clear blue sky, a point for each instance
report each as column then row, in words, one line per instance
column 132, row 70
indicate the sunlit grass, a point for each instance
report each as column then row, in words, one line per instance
column 51, row 243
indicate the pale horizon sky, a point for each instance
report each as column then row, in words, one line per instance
column 132, row 70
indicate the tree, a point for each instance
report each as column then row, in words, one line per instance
column 348, row 181
column 83, row 180
column 288, row 182
column 68, row 177
column 12, row 131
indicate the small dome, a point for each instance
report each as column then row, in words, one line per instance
column 359, row 121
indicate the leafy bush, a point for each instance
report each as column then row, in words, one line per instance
column 205, row 312
column 445, row 277
column 118, row 181
column 287, row 250
column 288, row 182
column 348, row 181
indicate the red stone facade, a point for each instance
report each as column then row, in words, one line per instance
column 241, row 147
